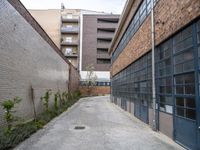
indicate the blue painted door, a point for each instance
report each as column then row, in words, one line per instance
column 141, row 109
column 186, row 88
column 137, row 109
column 185, row 122
column 144, row 111
column 185, row 132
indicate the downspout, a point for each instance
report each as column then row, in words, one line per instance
column 81, row 40
column 153, row 66
column 69, row 83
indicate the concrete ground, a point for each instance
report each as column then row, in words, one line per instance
column 107, row 127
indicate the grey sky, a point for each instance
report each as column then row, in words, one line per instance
column 114, row 6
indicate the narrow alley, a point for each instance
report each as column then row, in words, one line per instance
column 96, row 124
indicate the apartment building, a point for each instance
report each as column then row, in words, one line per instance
column 51, row 26
column 167, row 59
column 97, row 33
column 84, row 37
column 62, row 25
column 70, row 34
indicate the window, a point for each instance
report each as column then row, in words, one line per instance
column 198, row 39
column 103, row 61
column 185, row 107
column 199, row 55
column 142, row 11
column 184, row 84
column 175, row 76
column 68, row 51
column 133, row 83
column 102, row 51
column 106, row 30
column 103, row 40
column 184, row 51
column 184, row 62
column 198, row 32
column 69, row 39
column 148, row 6
column 69, row 26
column 164, row 86
column 137, row 20
column 69, row 16
column 107, row 20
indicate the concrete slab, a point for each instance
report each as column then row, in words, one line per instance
column 107, row 127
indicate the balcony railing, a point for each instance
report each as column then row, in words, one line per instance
column 69, row 29
column 103, row 45
column 69, row 43
column 71, row 55
column 72, row 19
column 107, row 25
column 105, row 35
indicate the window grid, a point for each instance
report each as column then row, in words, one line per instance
column 184, row 79
column 175, row 90
column 164, row 80
column 134, row 83
column 137, row 20
column 98, row 83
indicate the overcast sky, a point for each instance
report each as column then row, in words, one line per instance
column 114, row 6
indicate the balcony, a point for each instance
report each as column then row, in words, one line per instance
column 70, row 52
column 106, row 56
column 71, row 19
column 107, row 25
column 69, row 43
column 103, row 45
column 105, row 35
column 71, row 55
column 72, row 30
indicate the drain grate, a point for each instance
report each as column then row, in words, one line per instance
column 79, row 127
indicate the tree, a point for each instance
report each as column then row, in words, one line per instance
column 91, row 78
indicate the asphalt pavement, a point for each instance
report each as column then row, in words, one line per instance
column 96, row 124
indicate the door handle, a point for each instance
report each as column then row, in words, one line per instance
column 199, row 127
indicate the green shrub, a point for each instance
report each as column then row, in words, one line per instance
column 8, row 105
column 56, row 101
column 45, row 99
column 23, row 131
column 60, row 98
column 18, row 134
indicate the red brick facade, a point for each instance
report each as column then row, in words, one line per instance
column 99, row 90
column 170, row 16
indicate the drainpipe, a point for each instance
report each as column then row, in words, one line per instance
column 69, row 83
column 153, row 65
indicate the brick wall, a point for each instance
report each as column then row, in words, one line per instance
column 28, row 60
column 170, row 16
column 98, row 90
column 74, row 78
